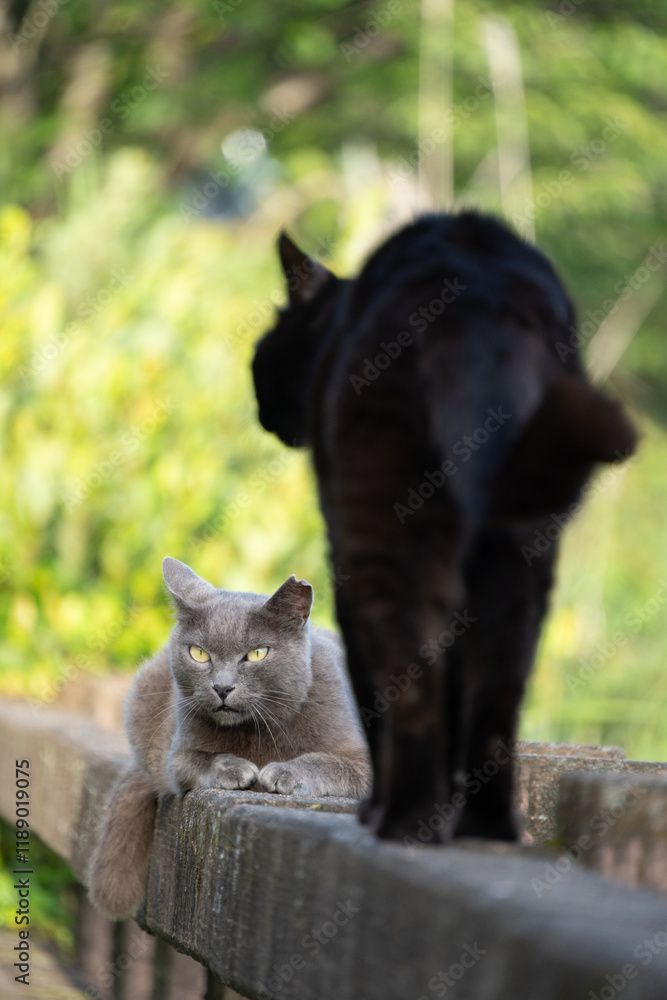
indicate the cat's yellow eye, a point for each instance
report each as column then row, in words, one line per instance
column 255, row 655
column 199, row 654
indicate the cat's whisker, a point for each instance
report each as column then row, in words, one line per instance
column 284, row 701
column 281, row 699
column 283, row 696
column 191, row 712
column 281, row 691
column 261, row 698
column 156, row 715
column 268, row 726
column 264, row 720
column 149, row 694
column 281, row 704
column 259, row 732
column 282, row 729
column 191, row 709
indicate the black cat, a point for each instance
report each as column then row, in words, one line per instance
column 453, row 429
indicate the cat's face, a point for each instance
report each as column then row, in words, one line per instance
column 239, row 657
column 283, row 362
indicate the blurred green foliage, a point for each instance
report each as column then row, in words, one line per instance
column 52, row 892
column 137, row 269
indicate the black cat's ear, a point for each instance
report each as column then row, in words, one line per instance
column 187, row 589
column 304, row 276
column 291, row 602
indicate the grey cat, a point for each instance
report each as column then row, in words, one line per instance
column 246, row 694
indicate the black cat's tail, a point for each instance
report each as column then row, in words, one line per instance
column 575, row 427
column 521, row 434
column 117, row 872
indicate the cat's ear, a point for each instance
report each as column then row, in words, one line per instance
column 304, row 276
column 187, row 589
column 292, row 601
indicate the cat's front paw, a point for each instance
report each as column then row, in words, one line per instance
column 287, row 778
column 231, row 773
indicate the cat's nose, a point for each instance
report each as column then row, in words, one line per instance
column 223, row 690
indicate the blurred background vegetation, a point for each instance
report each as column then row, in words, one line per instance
column 150, row 154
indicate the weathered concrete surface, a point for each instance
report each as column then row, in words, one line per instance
column 294, row 905
column 569, row 750
column 617, row 824
column 539, row 775
column 85, row 752
column 540, row 766
column 71, row 760
column 73, row 764
column 303, row 903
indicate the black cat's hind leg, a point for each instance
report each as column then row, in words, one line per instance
column 396, row 535
column 399, row 699
column 507, row 595
column 400, row 591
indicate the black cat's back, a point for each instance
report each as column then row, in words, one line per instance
column 449, row 419
column 454, row 334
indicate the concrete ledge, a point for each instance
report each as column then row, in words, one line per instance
column 617, row 824
column 294, row 905
column 293, row 899
column 540, row 768
column 73, row 765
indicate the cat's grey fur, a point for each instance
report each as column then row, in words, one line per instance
column 288, row 723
